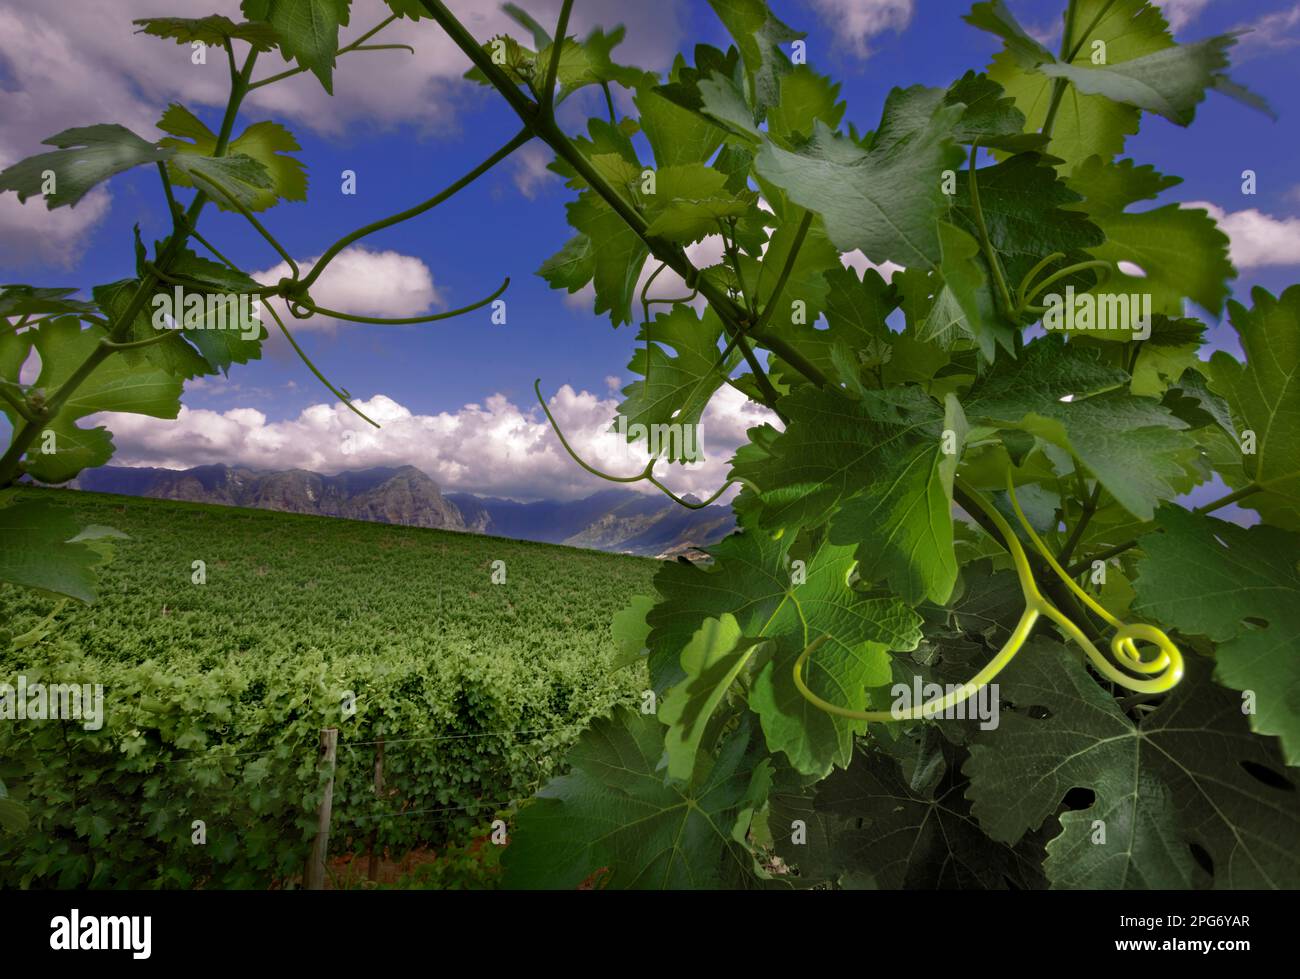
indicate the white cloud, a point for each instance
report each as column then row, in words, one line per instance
column 1180, row 13
column 386, row 284
column 856, row 22
column 1258, row 239
column 1274, row 30
column 80, row 62
column 530, row 171
column 31, row 234
column 496, row 448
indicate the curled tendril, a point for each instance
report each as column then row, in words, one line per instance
column 645, row 475
column 1160, row 672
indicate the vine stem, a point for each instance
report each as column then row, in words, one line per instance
column 544, row 127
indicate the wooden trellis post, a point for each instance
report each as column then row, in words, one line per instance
column 314, row 879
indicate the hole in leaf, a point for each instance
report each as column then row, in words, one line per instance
column 1262, row 773
column 1202, row 857
column 1079, row 798
column 1255, row 622
column 1039, row 713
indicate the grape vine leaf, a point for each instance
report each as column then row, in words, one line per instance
column 1170, row 82
column 17, row 301
column 114, row 385
column 308, row 31
column 43, row 546
column 1190, row 775
column 213, row 31
column 711, row 661
column 1136, row 447
column 1027, row 211
column 759, row 36
column 1264, row 394
column 266, row 142
column 885, row 199
column 1240, row 587
column 674, row 390
column 87, row 156
column 676, row 135
column 892, row 834
column 617, row 255
column 806, row 99
column 690, row 200
column 754, row 580
column 1085, row 124
column 902, row 524
column 835, row 447
column 1180, row 250
column 614, row 818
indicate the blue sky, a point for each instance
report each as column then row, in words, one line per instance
column 410, row 127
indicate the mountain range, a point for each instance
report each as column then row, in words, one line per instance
column 617, row 520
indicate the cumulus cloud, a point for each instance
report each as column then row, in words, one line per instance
column 856, row 22
column 860, row 263
column 31, row 234
column 386, row 284
column 495, row 448
column 78, row 62
column 1258, row 239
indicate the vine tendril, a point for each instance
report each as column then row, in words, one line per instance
column 1160, row 673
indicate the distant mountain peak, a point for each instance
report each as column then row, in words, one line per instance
column 614, row 519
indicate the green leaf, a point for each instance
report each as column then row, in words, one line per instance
column 613, row 816
column 114, row 385
column 591, row 63
column 17, row 301
column 884, row 200
column 13, row 816
column 213, row 30
column 265, row 142
column 221, row 347
column 629, row 630
column 676, row 389
column 889, row 834
column 711, row 661
column 835, row 447
column 1170, row 82
column 754, row 580
column 87, row 156
column 618, row 254
column 690, row 200
column 308, row 31
column 37, row 550
column 759, row 36
column 1180, row 250
column 1185, row 776
column 1085, row 124
column 677, row 136
column 1264, row 394
column 1027, row 210
column 806, row 99
column 572, row 267
column 994, row 17
column 1241, row 588
column 1136, row 447
column 901, row 523
column 173, row 355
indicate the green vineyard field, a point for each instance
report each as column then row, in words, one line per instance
column 215, row 692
